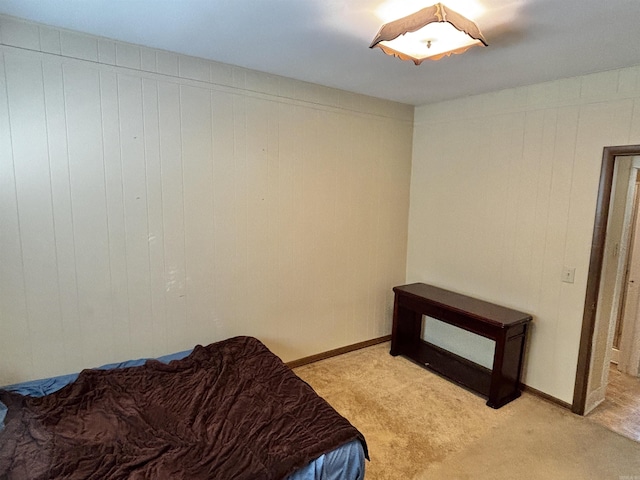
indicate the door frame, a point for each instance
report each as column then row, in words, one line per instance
column 603, row 202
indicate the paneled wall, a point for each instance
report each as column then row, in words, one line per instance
column 503, row 194
column 150, row 202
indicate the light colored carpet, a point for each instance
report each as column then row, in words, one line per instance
column 421, row 426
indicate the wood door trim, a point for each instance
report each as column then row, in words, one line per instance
column 595, row 270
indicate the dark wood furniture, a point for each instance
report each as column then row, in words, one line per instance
column 508, row 328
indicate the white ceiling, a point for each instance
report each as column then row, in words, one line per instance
column 326, row 41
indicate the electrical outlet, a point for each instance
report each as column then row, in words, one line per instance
column 568, row 274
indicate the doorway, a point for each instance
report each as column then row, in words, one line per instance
column 626, row 348
column 613, row 396
column 592, row 369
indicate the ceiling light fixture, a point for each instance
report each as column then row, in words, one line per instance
column 431, row 33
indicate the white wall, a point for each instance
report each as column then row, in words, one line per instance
column 151, row 201
column 503, row 194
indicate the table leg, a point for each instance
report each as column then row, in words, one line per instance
column 407, row 327
column 507, row 366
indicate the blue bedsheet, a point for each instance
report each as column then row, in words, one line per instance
column 344, row 463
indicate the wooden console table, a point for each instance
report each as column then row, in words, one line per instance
column 508, row 328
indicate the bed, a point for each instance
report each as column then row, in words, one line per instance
column 231, row 409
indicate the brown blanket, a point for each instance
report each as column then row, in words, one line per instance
column 228, row 410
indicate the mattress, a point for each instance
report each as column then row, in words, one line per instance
column 345, row 462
